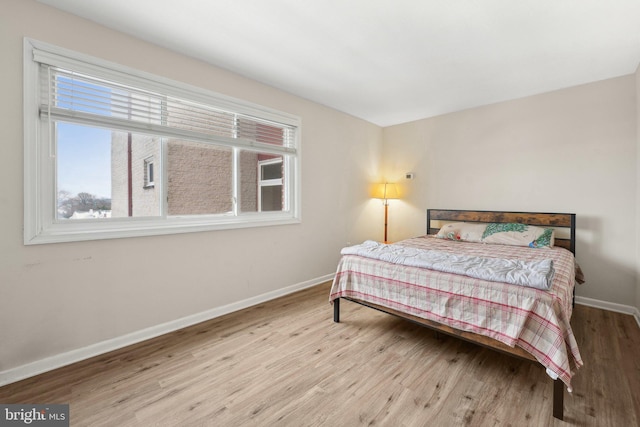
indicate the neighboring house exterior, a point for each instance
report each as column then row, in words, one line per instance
column 143, row 199
column 199, row 178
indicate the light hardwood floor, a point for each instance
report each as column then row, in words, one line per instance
column 285, row 363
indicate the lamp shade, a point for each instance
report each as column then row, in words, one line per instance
column 385, row 191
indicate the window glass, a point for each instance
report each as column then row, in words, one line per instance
column 271, row 198
column 101, row 173
column 271, row 170
column 199, row 178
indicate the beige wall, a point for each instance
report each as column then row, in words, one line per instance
column 61, row 297
column 572, row 150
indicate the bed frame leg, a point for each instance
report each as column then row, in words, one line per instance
column 558, row 399
column 336, row 310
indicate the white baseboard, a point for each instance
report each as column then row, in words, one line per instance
column 50, row 363
column 611, row 306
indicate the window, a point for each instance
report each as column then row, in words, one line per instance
column 114, row 152
column 270, row 184
column 148, row 172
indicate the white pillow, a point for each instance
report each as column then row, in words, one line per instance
column 463, row 231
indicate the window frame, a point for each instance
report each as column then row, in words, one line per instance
column 40, row 224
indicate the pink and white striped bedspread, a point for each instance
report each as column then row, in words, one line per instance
column 533, row 319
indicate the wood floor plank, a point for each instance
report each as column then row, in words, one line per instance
column 287, row 363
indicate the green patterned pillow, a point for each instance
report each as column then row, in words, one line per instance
column 516, row 234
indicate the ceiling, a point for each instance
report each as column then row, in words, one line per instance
column 391, row 61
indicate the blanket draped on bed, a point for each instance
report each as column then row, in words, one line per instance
column 536, row 274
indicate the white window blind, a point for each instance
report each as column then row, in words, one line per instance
column 73, row 96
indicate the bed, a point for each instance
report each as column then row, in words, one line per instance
column 419, row 279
